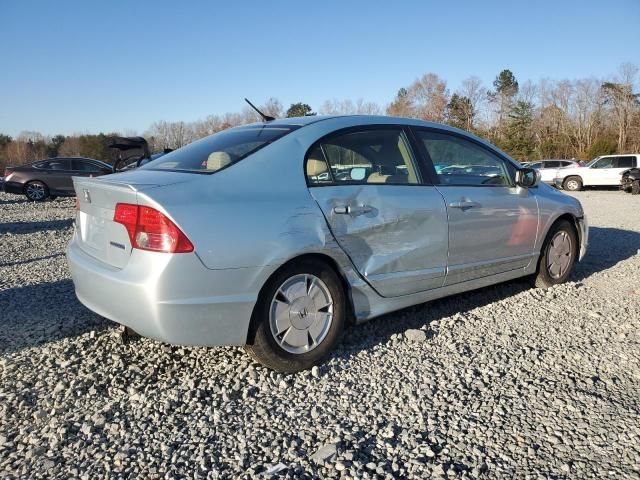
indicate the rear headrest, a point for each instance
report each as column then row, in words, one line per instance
column 376, row 177
column 316, row 167
column 218, row 160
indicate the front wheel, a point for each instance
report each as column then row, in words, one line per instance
column 559, row 254
column 573, row 184
column 299, row 317
column 36, row 191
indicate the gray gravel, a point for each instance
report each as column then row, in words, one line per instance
column 502, row 382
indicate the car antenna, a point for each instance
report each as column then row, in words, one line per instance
column 265, row 118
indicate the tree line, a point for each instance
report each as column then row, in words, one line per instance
column 579, row 119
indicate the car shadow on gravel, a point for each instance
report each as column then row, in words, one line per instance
column 37, row 314
column 607, row 247
column 11, row 202
column 31, row 227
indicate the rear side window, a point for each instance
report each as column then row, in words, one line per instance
column 220, row 150
column 625, row 162
column 380, row 156
column 552, row 164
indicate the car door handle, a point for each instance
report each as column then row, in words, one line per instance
column 352, row 210
column 463, row 205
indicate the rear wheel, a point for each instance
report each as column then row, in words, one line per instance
column 36, row 191
column 573, row 184
column 635, row 187
column 559, row 254
column 299, row 318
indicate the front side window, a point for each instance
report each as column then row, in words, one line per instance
column 606, row 162
column 58, row 165
column 552, row 164
column 461, row 162
column 84, row 166
column 368, row 156
column 220, row 150
column 535, row 165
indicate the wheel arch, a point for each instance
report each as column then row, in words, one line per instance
column 573, row 221
column 321, row 257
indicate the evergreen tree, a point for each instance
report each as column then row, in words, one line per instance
column 460, row 112
column 519, row 142
column 299, row 110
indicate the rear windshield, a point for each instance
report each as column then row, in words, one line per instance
column 220, row 150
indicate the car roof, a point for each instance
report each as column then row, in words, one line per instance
column 346, row 121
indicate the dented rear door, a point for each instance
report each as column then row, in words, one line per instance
column 396, row 235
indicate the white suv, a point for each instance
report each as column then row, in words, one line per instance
column 548, row 168
column 600, row 171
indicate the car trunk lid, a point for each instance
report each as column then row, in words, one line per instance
column 97, row 233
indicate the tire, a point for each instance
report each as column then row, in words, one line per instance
column 573, row 184
column 635, row 187
column 292, row 332
column 553, row 252
column 36, row 191
column 52, row 197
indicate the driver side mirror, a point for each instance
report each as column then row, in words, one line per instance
column 527, row 177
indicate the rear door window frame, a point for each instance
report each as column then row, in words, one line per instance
column 423, row 179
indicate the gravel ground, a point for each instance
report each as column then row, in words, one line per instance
column 503, row 382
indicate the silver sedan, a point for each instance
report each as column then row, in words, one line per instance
column 277, row 235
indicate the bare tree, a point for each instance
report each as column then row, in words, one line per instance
column 429, row 97
column 348, row 107
column 619, row 94
column 473, row 89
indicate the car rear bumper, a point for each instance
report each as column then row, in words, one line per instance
column 12, row 187
column 171, row 298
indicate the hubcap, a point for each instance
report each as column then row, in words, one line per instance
column 559, row 254
column 572, row 185
column 301, row 313
column 35, row 191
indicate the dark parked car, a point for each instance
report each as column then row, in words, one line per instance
column 52, row 177
column 630, row 181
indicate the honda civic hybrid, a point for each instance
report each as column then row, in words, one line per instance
column 278, row 235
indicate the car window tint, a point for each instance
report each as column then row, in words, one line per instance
column 461, row 162
column 58, row 165
column 552, row 164
column 220, row 150
column 368, row 156
column 625, row 162
column 84, row 166
column 535, row 165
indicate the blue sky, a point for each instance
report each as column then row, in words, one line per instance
column 84, row 66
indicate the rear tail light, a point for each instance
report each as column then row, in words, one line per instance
column 7, row 172
column 150, row 229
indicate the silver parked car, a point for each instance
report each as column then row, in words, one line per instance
column 277, row 235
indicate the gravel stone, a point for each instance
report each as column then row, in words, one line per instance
column 507, row 381
column 414, row 335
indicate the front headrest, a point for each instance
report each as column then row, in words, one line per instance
column 218, row 160
column 376, row 177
